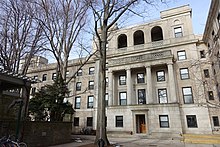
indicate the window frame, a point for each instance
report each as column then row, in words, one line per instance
column 211, row 95
column 119, row 121
column 186, row 95
column 76, row 121
column 215, row 121
column 121, row 81
column 90, row 101
column 181, row 56
column 91, row 85
column 140, row 79
column 159, row 76
column 162, row 97
column 178, row 32
column 184, row 75
column 122, row 100
column 54, row 76
column 78, row 86
column 141, row 100
column 162, row 122
column 206, row 73
column 89, row 121
column 91, row 70
column 79, row 72
column 77, row 102
column 44, row 77
column 193, row 124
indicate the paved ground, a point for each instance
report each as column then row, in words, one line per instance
column 132, row 142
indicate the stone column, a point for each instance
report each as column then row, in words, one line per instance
column 110, row 88
column 172, row 84
column 149, row 99
column 129, row 86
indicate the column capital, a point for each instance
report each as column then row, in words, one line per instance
column 147, row 66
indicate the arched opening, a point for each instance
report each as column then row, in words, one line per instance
column 122, row 41
column 138, row 37
column 156, row 34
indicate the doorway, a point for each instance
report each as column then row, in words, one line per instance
column 140, row 124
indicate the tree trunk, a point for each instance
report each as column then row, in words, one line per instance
column 101, row 114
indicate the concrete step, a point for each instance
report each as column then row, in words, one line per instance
column 201, row 138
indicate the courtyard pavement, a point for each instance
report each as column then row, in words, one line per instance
column 134, row 141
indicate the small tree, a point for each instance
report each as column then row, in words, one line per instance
column 49, row 102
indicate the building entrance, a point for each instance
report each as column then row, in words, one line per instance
column 140, row 124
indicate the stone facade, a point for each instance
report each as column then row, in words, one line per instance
column 159, row 82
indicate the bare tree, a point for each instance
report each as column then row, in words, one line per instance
column 62, row 21
column 106, row 13
column 20, row 35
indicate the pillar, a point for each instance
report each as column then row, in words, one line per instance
column 172, row 84
column 149, row 99
column 129, row 86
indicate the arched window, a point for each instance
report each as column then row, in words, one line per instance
column 122, row 41
column 138, row 37
column 156, row 34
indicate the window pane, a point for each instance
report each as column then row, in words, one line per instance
column 123, row 98
column 191, row 121
column 215, row 120
column 122, row 80
column 141, row 96
column 162, row 94
column 160, row 76
column 184, row 73
column 181, row 55
column 164, row 121
column 76, row 121
column 119, row 121
column 140, row 78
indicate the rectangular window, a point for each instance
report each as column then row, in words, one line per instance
column 191, row 121
column 141, row 96
column 164, row 121
column 215, row 121
column 184, row 73
column 90, row 101
column 210, row 93
column 162, row 95
column 91, row 85
column 89, row 121
column 140, row 78
column 79, row 73
column 160, row 76
column 123, row 98
column 77, row 102
column 119, row 121
column 187, row 95
column 76, row 121
column 202, row 54
column 206, row 73
column 178, row 32
column 78, row 86
column 122, row 80
column 181, row 55
column 91, row 70
column 106, row 99
column 44, row 78
column 54, row 76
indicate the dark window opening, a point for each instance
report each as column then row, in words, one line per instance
column 89, row 121
column 211, row 96
column 202, row 54
column 206, row 73
column 119, row 121
column 44, row 78
column 156, row 34
column 138, row 37
column 191, row 121
column 122, row 41
column 140, row 78
column 215, row 121
column 141, row 96
column 76, row 121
